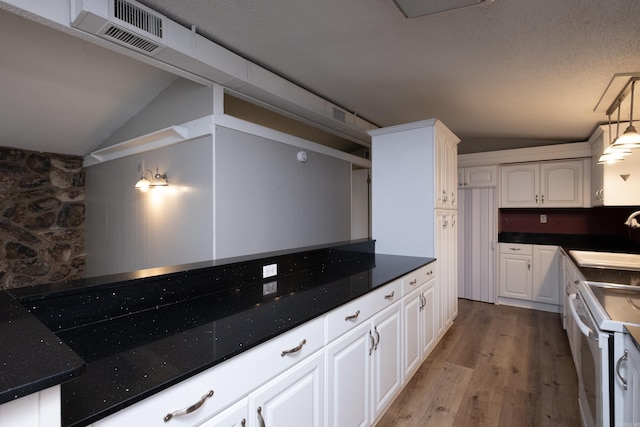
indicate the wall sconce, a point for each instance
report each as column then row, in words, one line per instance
column 156, row 180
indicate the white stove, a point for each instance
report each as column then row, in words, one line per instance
column 612, row 306
column 601, row 311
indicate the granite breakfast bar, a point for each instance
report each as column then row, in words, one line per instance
column 114, row 341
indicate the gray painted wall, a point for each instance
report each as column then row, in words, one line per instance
column 181, row 102
column 267, row 200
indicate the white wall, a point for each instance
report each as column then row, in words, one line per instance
column 127, row 229
column 267, row 200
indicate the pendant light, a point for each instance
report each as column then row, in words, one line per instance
column 630, row 138
column 614, row 154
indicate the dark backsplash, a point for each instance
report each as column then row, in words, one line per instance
column 608, row 221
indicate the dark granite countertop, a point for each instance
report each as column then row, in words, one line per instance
column 140, row 333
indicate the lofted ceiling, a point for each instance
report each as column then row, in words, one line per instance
column 502, row 74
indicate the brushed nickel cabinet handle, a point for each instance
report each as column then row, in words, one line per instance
column 414, row 281
column 375, row 328
column 515, row 249
column 294, row 349
column 354, row 316
column 529, row 265
column 243, row 423
column 622, row 359
column 372, row 342
column 429, row 273
column 190, row 409
column 260, row 419
column 390, row 296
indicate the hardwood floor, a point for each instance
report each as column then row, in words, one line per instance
column 496, row 366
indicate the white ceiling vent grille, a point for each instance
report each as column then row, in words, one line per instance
column 338, row 114
column 125, row 22
column 138, row 17
column 125, row 37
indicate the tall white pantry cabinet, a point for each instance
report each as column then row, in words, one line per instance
column 414, row 201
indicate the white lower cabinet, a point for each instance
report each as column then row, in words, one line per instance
column 341, row 369
column 530, row 273
column 420, row 314
column 626, row 382
column 293, row 399
column 364, row 370
column 234, row 416
column 40, row 409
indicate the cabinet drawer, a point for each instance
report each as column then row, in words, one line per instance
column 516, row 249
column 344, row 318
column 416, row 278
column 230, row 381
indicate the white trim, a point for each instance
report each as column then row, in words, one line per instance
column 152, row 141
column 575, row 150
column 262, row 131
column 205, row 126
column 532, row 305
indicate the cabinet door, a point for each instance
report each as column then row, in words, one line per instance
column 234, row 416
column 546, row 274
column 631, row 395
column 561, row 184
column 412, row 315
column 387, row 360
column 515, row 276
column 442, row 224
column 443, row 198
column 478, row 177
column 293, row 399
column 349, row 379
column 452, row 257
column 429, row 318
column 519, row 186
column 597, row 170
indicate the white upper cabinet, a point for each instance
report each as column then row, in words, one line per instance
column 546, row 184
column 478, row 176
column 616, row 184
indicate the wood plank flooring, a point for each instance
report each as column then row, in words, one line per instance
column 496, row 366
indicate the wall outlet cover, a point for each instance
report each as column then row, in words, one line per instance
column 269, row 270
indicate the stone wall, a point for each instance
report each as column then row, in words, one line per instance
column 42, row 216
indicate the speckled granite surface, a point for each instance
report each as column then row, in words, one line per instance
column 138, row 333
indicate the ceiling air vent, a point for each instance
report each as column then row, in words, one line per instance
column 125, row 22
column 338, row 114
column 124, row 37
column 138, row 17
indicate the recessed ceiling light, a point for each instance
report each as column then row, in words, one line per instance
column 414, row 8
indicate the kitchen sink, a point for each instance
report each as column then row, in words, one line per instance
column 615, row 260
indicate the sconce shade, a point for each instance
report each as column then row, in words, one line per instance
column 143, row 184
column 157, row 180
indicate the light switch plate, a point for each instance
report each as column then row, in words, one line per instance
column 543, row 219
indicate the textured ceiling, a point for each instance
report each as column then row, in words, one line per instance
column 505, row 74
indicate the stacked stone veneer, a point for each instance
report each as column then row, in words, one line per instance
column 42, row 216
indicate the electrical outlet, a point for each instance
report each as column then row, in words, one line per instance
column 543, row 219
column 269, row 288
column 269, row 270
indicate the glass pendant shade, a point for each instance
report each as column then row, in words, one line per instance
column 630, row 138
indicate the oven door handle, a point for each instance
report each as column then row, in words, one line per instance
column 581, row 325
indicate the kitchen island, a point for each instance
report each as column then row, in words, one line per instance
column 127, row 337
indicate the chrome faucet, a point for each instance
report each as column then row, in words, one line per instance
column 631, row 221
